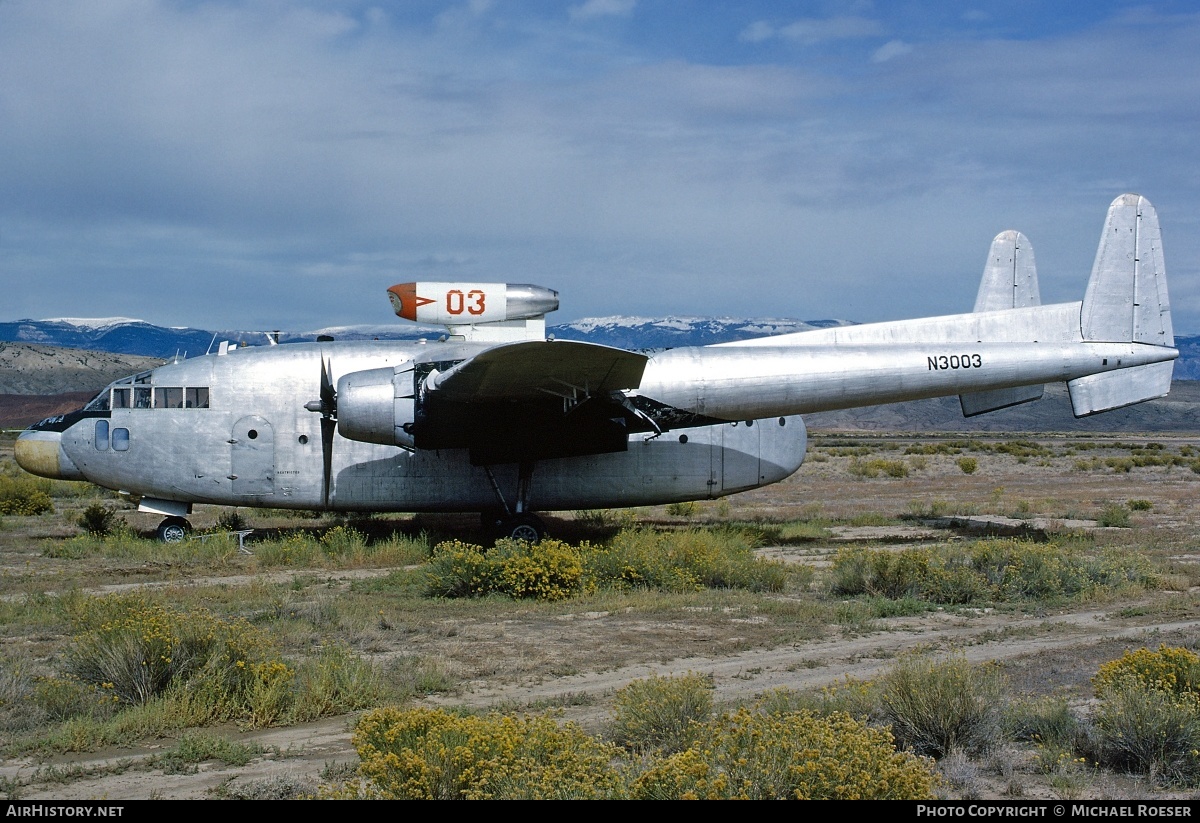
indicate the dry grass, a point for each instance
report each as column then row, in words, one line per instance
column 575, row 655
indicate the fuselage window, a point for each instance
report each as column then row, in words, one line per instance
column 141, row 397
column 101, row 435
column 120, row 440
column 121, row 397
column 168, row 398
column 196, row 398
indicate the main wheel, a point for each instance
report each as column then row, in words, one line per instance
column 527, row 527
column 173, row 530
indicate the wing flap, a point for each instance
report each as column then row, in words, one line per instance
column 537, row 369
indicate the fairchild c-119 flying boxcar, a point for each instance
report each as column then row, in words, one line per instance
column 498, row 419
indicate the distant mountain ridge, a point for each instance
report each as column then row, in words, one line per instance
column 136, row 337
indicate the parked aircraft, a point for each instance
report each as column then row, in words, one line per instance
column 496, row 418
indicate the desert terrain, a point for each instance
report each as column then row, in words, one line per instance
column 571, row 657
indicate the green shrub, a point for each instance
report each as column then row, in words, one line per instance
column 877, row 466
column 343, row 541
column 1047, row 721
column 1002, row 570
column 195, row 747
column 935, row 706
column 686, row 509
column 802, row 756
column 97, row 519
column 968, row 464
column 429, row 754
column 661, row 714
column 230, row 520
column 1149, row 731
column 336, row 682
column 1140, row 505
column 24, row 496
column 1114, row 515
column 136, row 650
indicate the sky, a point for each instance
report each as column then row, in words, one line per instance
column 278, row 164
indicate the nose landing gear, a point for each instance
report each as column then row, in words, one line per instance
column 173, row 530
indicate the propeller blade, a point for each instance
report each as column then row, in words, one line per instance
column 328, row 394
column 328, row 427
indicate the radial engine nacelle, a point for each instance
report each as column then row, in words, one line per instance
column 376, row 405
column 460, row 304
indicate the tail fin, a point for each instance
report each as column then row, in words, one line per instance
column 1009, row 282
column 1010, row 276
column 1126, row 301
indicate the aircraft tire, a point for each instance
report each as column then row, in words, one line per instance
column 527, row 527
column 173, row 530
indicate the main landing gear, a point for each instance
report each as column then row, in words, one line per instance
column 173, row 530
column 516, row 523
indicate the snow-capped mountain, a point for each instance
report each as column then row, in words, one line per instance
column 121, row 335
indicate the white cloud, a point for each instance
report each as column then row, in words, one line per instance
column 757, row 32
column 812, row 30
column 891, row 50
column 602, row 8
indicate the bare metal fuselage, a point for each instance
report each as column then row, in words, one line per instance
column 256, row 445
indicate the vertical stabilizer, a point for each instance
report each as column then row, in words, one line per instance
column 1126, row 302
column 1010, row 275
column 1009, row 282
column 1126, row 298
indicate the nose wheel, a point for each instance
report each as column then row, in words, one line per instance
column 173, row 530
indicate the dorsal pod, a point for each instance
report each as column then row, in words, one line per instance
column 462, row 304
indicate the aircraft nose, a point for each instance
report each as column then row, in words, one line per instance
column 41, row 453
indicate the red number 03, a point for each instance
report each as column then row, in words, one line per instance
column 472, row 303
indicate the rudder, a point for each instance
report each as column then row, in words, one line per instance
column 1126, row 302
column 1009, row 282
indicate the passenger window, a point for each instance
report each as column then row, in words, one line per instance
column 120, row 440
column 120, row 398
column 168, row 398
column 196, row 398
column 101, row 435
column 141, row 397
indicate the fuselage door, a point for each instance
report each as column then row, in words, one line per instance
column 253, row 456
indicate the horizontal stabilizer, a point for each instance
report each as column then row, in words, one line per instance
column 986, row 401
column 1123, row 387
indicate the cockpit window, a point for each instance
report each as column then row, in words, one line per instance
column 99, row 402
column 134, row 393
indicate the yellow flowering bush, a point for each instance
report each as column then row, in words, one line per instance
column 1172, row 669
column 430, row 754
column 750, row 755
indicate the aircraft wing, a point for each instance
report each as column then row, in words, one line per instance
column 538, row 370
